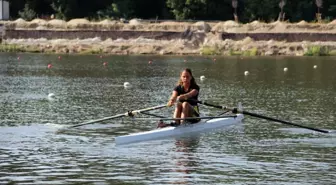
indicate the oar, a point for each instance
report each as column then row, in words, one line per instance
column 263, row 117
column 130, row 113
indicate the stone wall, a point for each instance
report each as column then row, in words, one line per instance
column 84, row 34
column 288, row 37
column 161, row 35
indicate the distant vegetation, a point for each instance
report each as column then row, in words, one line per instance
column 238, row 10
column 209, row 50
column 317, row 51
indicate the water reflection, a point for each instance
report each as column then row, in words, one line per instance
column 186, row 160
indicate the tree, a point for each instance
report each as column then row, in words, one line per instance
column 234, row 6
column 281, row 17
column 333, row 9
column 65, row 9
column 264, row 10
column 27, row 13
column 248, row 10
column 188, row 9
column 119, row 9
column 319, row 4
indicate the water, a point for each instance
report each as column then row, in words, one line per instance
column 254, row 152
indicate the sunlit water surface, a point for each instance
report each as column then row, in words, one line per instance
column 254, row 152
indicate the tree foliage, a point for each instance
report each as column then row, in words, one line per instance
column 27, row 13
column 247, row 10
column 118, row 9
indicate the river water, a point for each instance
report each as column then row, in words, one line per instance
column 254, row 152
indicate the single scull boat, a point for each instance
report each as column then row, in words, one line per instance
column 170, row 131
column 206, row 123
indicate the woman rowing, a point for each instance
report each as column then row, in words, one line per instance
column 184, row 95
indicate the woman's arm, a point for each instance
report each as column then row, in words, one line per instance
column 188, row 95
column 172, row 98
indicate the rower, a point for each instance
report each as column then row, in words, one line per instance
column 186, row 89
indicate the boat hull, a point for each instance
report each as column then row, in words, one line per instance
column 169, row 131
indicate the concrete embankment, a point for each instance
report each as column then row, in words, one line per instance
column 223, row 38
column 162, row 35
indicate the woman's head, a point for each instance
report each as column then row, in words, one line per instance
column 186, row 77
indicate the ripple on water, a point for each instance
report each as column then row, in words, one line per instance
column 32, row 152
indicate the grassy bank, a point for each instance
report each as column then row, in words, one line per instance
column 175, row 47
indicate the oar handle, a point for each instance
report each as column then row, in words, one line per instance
column 205, row 103
column 215, row 106
column 134, row 112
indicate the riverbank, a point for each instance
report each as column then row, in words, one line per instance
column 170, row 38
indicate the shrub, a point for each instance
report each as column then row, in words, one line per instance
column 332, row 52
column 251, row 52
column 207, row 50
column 317, row 51
column 27, row 13
column 10, row 48
column 234, row 53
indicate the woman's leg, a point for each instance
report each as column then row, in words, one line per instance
column 178, row 111
column 187, row 110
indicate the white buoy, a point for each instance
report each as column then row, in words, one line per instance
column 315, row 66
column 246, row 73
column 127, row 85
column 285, row 69
column 51, row 95
column 202, row 78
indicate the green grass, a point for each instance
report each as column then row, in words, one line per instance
column 208, row 50
column 317, row 51
column 235, row 53
column 251, row 52
column 96, row 51
column 20, row 48
column 91, row 51
column 124, row 47
column 332, row 53
column 10, row 48
column 36, row 49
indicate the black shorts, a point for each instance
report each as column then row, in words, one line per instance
column 195, row 114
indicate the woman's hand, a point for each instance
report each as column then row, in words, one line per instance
column 182, row 98
column 170, row 102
